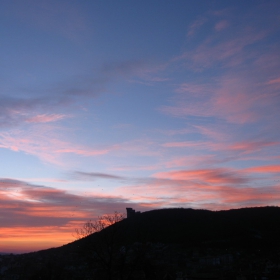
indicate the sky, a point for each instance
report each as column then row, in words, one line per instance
column 146, row 104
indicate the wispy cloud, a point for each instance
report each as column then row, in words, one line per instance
column 95, row 175
column 214, row 188
column 251, row 146
column 237, row 72
column 221, row 25
column 228, row 52
column 44, row 118
column 265, row 169
column 244, row 147
column 46, row 144
column 18, row 111
column 196, row 25
column 184, row 144
column 216, row 176
column 233, row 98
column 274, row 81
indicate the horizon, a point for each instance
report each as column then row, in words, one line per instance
column 180, row 208
column 147, row 105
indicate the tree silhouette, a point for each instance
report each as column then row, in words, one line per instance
column 101, row 223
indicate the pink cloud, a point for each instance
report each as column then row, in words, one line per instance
column 242, row 94
column 235, row 102
column 142, row 147
column 216, row 188
column 228, row 53
column 217, row 133
column 184, row 144
column 221, row 13
column 223, row 148
column 265, row 169
column 158, row 79
column 274, row 81
column 50, row 144
column 47, row 145
column 238, row 99
column 135, row 167
column 45, row 118
column 257, row 196
column 137, row 71
column 191, row 161
column 194, row 89
column 217, row 176
column 217, row 194
column 195, row 26
column 171, row 132
column 274, row 84
column 251, row 146
column 221, row 25
column 266, row 66
column 82, row 151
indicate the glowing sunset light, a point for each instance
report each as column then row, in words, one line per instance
column 143, row 104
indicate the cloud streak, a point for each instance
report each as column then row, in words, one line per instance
column 45, row 118
column 18, row 111
column 95, row 175
column 46, row 145
column 207, row 176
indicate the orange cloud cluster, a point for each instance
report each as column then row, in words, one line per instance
column 45, row 215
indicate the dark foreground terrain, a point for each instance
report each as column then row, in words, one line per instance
column 164, row 244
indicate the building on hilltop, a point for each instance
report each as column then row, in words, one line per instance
column 130, row 212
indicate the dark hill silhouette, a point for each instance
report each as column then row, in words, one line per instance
column 188, row 226
column 199, row 226
column 248, row 228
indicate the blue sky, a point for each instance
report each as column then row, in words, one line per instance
column 147, row 104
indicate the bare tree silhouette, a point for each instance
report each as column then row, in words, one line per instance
column 101, row 223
